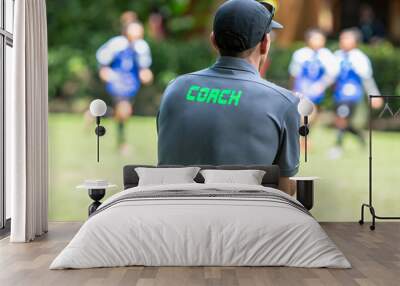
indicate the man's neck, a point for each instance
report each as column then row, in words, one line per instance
column 254, row 61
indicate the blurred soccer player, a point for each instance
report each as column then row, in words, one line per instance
column 125, row 62
column 127, row 18
column 313, row 68
column 355, row 76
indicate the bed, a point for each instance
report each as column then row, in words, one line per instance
column 198, row 224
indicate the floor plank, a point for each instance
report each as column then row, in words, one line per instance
column 375, row 257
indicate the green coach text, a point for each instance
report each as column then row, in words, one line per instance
column 213, row 95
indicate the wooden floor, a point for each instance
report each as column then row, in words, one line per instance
column 375, row 257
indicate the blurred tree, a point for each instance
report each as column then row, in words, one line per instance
column 77, row 28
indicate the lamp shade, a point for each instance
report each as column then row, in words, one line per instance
column 98, row 108
column 305, row 107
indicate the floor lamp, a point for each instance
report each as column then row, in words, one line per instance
column 369, row 205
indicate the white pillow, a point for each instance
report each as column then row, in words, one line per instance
column 166, row 176
column 246, row 177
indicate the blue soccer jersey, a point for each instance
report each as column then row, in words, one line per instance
column 313, row 72
column 349, row 86
column 121, row 57
column 354, row 75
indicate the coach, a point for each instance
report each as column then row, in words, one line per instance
column 228, row 114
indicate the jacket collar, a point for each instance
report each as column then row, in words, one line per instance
column 235, row 64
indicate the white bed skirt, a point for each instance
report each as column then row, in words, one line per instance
column 200, row 232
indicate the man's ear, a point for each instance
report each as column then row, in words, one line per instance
column 264, row 47
column 213, row 41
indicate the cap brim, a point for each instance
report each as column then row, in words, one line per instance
column 276, row 25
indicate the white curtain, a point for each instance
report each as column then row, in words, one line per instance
column 26, row 123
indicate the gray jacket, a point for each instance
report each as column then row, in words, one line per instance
column 228, row 115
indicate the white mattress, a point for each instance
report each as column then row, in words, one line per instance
column 200, row 231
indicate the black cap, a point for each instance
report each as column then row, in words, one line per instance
column 240, row 25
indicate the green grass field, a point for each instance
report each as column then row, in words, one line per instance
column 339, row 193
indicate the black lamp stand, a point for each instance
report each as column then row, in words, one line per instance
column 100, row 131
column 305, row 193
column 370, row 202
column 96, row 195
column 304, row 131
